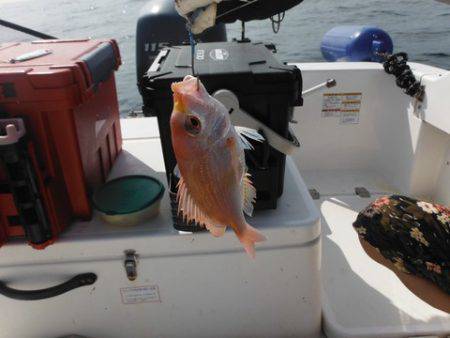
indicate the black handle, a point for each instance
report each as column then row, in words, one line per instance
column 73, row 283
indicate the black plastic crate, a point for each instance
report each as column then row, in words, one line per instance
column 266, row 88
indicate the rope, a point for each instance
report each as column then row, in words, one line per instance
column 396, row 64
column 276, row 23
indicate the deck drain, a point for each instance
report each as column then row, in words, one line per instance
column 362, row 192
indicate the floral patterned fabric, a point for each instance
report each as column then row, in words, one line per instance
column 414, row 235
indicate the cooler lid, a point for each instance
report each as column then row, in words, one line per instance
column 252, row 66
column 50, row 64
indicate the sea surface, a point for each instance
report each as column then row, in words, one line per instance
column 419, row 27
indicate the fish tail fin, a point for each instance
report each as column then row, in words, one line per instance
column 248, row 236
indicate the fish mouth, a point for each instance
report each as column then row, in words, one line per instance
column 184, row 91
column 178, row 104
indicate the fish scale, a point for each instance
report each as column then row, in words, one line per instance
column 208, row 176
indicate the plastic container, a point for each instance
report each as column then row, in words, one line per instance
column 356, row 43
column 64, row 90
column 129, row 200
column 265, row 87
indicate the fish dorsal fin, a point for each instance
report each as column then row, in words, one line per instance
column 248, row 133
column 248, row 194
column 189, row 210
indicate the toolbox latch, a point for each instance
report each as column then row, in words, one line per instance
column 130, row 264
column 101, row 62
column 11, row 131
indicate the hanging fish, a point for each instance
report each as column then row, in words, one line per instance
column 214, row 188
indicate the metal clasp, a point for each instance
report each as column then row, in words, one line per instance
column 130, row 264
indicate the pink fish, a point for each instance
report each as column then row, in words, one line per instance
column 214, row 188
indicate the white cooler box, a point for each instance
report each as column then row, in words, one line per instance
column 187, row 285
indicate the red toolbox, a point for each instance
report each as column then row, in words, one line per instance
column 64, row 92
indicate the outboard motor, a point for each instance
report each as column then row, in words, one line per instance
column 159, row 25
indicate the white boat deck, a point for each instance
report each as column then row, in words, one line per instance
column 362, row 298
column 396, row 146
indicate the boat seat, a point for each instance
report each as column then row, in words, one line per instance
column 362, row 298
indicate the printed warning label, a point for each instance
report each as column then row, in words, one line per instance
column 346, row 106
column 140, row 294
column 331, row 106
column 348, row 117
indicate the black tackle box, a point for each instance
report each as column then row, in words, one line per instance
column 267, row 89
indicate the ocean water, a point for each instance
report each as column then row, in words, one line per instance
column 419, row 27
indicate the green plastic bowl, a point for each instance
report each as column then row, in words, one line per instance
column 129, row 200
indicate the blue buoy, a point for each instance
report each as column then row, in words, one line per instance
column 356, row 43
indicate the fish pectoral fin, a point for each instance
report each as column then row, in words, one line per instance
column 248, row 194
column 187, row 206
column 190, row 211
column 248, row 133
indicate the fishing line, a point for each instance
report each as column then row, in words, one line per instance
column 192, row 43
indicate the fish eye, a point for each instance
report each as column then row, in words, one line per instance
column 192, row 125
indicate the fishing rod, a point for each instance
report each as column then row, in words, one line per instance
column 245, row 4
column 26, row 30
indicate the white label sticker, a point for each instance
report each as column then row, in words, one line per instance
column 219, row 54
column 200, row 54
column 331, row 106
column 349, row 117
column 344, row 105
column 140, row 294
